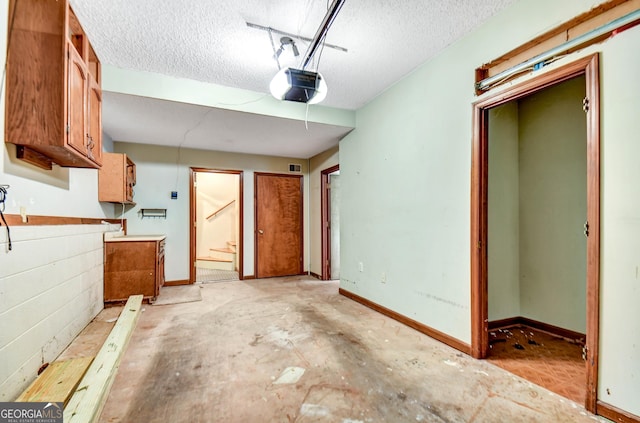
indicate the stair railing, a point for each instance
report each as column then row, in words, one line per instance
column 220, row 209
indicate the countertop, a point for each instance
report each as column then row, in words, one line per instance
column 119, row 237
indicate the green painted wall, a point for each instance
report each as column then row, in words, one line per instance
column 553, row 207
column 503, row 254
column 405, row 180
column 537, row 205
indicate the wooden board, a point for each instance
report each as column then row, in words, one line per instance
column 58, row 382
column 88, row 399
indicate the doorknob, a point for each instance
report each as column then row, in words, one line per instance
column 260, row 231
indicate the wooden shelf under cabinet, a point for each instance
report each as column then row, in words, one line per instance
column 116, row 178
column 54, row 97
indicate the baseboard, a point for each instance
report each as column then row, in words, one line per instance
column 248, row 277
column 315, row 275
column 433, row 333
column 177, row 283
column 505, row 323
column 541, row 326
column 615, row 414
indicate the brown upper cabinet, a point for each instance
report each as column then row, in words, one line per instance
column 116, row 178
column 54, row 98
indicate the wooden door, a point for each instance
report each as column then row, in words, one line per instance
column 77, row 89
column 94, row 119
column 278, row 200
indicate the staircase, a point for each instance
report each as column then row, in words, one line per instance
column 220, row 258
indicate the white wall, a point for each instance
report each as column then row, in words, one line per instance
column 317, row 164
column 159, row 170
column 214, row 191
column 405, row 175
column 503, row 269
column 51, row 282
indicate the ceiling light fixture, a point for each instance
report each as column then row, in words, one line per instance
column 285, row 41
column 299, row 84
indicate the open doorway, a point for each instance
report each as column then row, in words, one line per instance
column 216, row 229
column 330, row 204
column 535, row 229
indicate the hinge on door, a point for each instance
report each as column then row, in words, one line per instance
column 195, row 223
column 68, row 128
column 586, row 228
column 585, row 352
column 585, row 104
column 479, row 245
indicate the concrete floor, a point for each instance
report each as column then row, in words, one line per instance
column 293, row 350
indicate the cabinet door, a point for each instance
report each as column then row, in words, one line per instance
column 76, row 101
column 94, row 119
column 129, row 269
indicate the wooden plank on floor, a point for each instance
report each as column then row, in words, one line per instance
column 58, row 382
column 88, row 400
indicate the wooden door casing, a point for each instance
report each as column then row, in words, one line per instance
column 589, row 67
column 278, row 231
column 325, row 205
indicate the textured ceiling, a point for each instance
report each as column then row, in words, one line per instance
column 209, row 40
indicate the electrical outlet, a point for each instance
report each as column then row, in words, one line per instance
column 361, row 266
column 383, row 277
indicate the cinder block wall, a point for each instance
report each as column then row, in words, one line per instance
column 51, row 287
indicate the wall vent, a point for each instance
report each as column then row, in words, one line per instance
column 295, row 168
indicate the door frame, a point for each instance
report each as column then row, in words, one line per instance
column 325, row 212
column 192, row 219
column 255, row 218
column 589, row 67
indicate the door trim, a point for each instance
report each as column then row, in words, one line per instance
column 325, row 212
column 192, row 219
column 589, row 67
column 255, row 219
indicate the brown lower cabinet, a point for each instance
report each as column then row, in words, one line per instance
column 133, row 266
